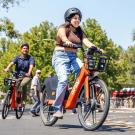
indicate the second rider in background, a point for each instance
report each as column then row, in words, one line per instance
column 64, row 58
column 24, row 64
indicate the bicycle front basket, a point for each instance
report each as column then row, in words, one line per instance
column 101, row 64
column 96, row 63
column 91, row 63
column 8, row 81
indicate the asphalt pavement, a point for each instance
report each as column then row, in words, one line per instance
column 119, row 121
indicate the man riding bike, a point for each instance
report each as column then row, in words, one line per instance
column 24, row 64
column 64, row 57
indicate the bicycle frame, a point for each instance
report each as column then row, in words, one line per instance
column 13, row 98
column 86, row 95
column 82, row 79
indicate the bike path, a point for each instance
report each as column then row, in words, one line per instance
column 118, row 121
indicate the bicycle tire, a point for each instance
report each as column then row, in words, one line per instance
column 91, row 110
column 19, row 112
column 45, row 114
column 6, row 105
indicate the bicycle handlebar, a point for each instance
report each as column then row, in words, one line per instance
column 90, row 51
column 15, row 74
column 75, row 46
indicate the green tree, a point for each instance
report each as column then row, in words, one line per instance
column 131, row 58
column 41, row 48
column 8, row 32
column 5, row 59
column 41, row 39
column 7, row 29
column 8, row 45
column 8, row 3
column 117, row 67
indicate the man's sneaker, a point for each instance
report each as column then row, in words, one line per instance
column 33, row 112
column 58, row 114
column 74, row 111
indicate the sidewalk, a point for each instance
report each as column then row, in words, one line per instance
column 122, row 110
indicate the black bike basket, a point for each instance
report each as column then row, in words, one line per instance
column 9, row 82
column 96, row 63
column 101, row 64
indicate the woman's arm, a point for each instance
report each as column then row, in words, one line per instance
column 87, row 43
column 62, row 34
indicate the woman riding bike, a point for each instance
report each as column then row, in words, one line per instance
column 64, row 57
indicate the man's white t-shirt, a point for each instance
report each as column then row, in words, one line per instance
column 35, row 82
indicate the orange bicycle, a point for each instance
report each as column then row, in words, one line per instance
column 13, row 99
column 89, row 94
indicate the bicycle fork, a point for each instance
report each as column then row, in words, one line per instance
column 90, row 98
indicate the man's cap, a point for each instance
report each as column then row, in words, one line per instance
column 38, row 71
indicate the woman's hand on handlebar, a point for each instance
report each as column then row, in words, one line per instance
column 94, row 49
column 72, row 45
column 68, row 43
column 99, row 50
column 103, row 51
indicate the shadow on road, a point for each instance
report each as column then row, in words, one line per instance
column 112, row 128
column 67, row 126
column 104, row 128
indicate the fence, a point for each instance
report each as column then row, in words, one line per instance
column 123, row 102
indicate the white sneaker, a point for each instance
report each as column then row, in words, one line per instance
column 58, row 114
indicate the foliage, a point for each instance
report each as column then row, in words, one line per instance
column 117, row 67
column 41, row 39
column 12, row 51
column 7, row 28
column 8, row 3
column 131, row 58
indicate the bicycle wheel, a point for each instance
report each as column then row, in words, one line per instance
column 6, row 105
column 93, row 114
column 45, row 112
column 20, row 109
